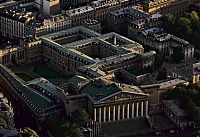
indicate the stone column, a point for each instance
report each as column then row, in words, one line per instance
column 109, row 113
column 104, row 114
column 142, row 109
column 95, row 114
column 118, row 112
column 123, row 107
column 115, row 41
column 133, row 109
column 147, row 104
column 99, row 115
column 137, row 107
column 127, row 110
column 113, row 113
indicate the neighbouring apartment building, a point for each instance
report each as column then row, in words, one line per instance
column 175, row 7
column 125, row 17
column 19, row 22
column 188, row 72
column 165, row 43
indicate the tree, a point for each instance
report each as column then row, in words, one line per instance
column 76, row 132
column 158, row 61
column 61, row 129
column 80, row 117
column 188, row 97
column 70, row 131
column 184, row 28
column 168, row 22
column 162, row 74
column 177, row 54
column 194, row 16
column 30, row 132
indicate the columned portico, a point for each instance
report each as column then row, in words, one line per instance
column 121, row 111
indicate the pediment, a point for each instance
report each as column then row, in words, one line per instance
column 122, row 96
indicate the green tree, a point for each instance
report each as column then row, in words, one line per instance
column 162, row 74
column 177, row 54
column 194, row 16
column 80, row 117
column 30, row 132
column 188, row 97
column 61, row 129
column 184, row 28
column 70, row 131
column 158, row 61
column 168, row 22
column 76, row 132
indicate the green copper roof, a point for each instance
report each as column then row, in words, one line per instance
column 76, row 79
column 99, row 90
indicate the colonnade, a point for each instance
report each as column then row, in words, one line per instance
column 121, row 111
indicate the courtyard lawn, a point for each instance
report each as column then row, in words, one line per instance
column 47, row 72
column 24, row 76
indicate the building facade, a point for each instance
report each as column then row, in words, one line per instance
column 79, row 50
column 110, row 101
column 93, row 25
column 96, row 10
column 123, row 17
column 177, row 7
column 179, row 116
column 73, row 3
column 19, row 23
column 188, row 72
column 165, row 43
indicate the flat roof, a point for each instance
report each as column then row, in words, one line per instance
column 174, row 107
column 77, row 11
column 8, row 4
column 76, row 79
